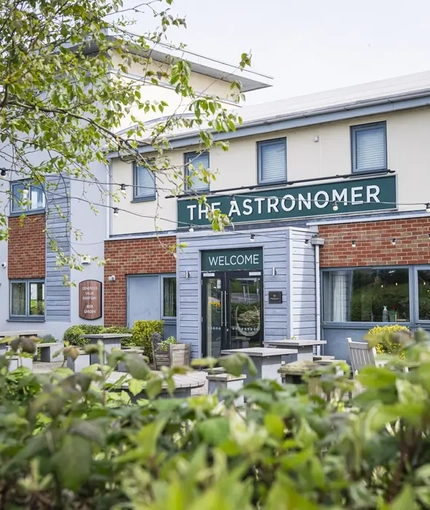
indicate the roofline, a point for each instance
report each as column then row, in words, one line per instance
column 345, row 111
column 251, row 80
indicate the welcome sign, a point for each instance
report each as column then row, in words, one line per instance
column 352, row 196
column 242, row 259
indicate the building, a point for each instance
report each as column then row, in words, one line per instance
column 39, row 294
column 329, row 199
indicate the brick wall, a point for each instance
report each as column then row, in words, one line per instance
column 373, row 240
column 26, row 247
column 129, row 257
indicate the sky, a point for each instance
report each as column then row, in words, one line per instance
column 309, row 45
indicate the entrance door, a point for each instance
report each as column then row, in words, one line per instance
column 232, row 311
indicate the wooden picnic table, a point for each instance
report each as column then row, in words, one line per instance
column 266, row 359
column 305, row 348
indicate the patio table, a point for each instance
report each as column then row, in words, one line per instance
column 267, row 361
column 305, row 348
column 110, row 341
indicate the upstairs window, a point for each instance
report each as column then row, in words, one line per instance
column 369, row 147
column 27, row 197
column 193, row 163
column 143, row 184
column 272, row 161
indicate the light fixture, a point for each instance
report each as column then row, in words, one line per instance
column 122, row 187
column 428, row 235
column 274, row 272
column 393, row 241
column 353, row 244
column 233, row 200
column 252, row 238
column 191, row 228
column 3, row 172
column 115, row 211
column 335, row 206
column 427, row 207
column 307, row 241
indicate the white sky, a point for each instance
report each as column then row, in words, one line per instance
column 309, row 45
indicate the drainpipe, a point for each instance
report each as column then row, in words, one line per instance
column 109, row 200
column 317, row 242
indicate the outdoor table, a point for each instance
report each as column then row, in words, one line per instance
column 184, row 383
column 305, row 348
column 111, row 341
column 267, row 361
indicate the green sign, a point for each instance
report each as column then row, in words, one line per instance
column 352, row 196
column 246, row 259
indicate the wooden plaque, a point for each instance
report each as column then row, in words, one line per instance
column 90, row 300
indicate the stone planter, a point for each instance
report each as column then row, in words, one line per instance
column 217, row 382
column 20, row 361
column 178, row 355
column 81, row 362
column 47, row 351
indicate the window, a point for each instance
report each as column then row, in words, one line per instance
column 272, row 161
column 169, row 296
column 366, row 295
column 143, row 183
column 194, row 163
column 423, row 295
column 27, row 197
column 369, row 147
column 27, row 299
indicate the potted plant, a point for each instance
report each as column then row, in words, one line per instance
column 169, row 353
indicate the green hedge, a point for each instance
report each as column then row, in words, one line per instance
column 142, row 332
column 73, row 335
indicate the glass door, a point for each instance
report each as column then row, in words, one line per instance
column 213, row 315
column 244, row 311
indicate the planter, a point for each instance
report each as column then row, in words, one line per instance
column 178, row 355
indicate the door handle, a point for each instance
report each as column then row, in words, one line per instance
column 222, row 308
column 225, row 308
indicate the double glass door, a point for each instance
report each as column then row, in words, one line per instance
column 232, row 311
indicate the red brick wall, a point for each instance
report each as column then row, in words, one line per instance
column 373, row 240
column 26, row 247
column 128, row 257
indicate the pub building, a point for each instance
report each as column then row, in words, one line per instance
column 328, row 196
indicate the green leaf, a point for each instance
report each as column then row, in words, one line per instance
column 154, row 387
column 92, row 430
column 274, row 425
column 137, row 367
column 405, row 500
column 135, row 386
column 215, row 430
column 73, row 462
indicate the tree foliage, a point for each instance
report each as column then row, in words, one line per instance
column 82, row 441
column 62, row 100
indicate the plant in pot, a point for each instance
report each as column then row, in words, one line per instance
column 169, row 353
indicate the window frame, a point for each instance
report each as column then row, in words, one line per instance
column 358, row 324
column 353, row 133
column 189, row 156
column 27, row 317
column 162, row 278
column 28, row 209
column 142, row 198
column 417, row 319
column 261, row 143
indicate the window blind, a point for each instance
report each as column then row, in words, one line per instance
column 145, row 183
column 196, row 160
column 370, row 152
column 273, row 161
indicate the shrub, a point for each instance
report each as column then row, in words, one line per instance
column 388, row 342
column 73, row 335
column 164, row 345
column 142, row 332
column 48, row 339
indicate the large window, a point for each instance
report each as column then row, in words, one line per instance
column 169, row 296
column 369, row 147
column 423, row 294
column 27, row 299
column 272, row 161
column 143, row 183
column 366, row 295
column 27, row 197
column 195, row 163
